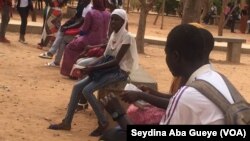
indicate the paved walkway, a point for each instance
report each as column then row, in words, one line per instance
column 36, row 28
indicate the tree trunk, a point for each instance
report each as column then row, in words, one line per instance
column 206, row 4
column 222, row 18
column 145, row 7
column 191, row 11
column 141, row 30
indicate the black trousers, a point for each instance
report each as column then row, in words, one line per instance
column 23, row 12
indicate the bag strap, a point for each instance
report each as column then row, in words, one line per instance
column 214, row 95
column 211, row 93
column 237, row 97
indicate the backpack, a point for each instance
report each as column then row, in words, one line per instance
column 237, row 113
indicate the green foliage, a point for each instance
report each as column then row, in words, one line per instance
column 170, row 6
column 218, row 4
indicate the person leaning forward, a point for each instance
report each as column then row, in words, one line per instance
column 187, row 59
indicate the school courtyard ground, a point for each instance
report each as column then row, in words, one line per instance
column 33, row 95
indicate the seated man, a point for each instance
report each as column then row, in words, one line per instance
column 64, row 36
column 186, row 59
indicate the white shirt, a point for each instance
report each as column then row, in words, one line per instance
column 24, row 3
column 127, row 61
column 189, row 106
column 86, row 9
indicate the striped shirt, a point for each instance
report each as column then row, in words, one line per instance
column 188, row 106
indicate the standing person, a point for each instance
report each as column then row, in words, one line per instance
column 52, row 22
column 23, row 7
column 5, row 10
column 243, row 20
column 211, row 12
column 93, row 32
column 234, row 16
column 74, row 24
column 122, row 48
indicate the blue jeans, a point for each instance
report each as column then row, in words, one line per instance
column 87, row 87
column 59, row 44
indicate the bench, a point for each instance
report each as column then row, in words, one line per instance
column 214, row 19
column 233, row 47
column 138, row 77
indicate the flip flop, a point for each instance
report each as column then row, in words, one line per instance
column 52, row 64
column 45, row 55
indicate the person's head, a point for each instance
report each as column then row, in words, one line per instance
column 118, row 20
column 208, row 41
column 98, row 5
column 113, row 4
column 184, row 50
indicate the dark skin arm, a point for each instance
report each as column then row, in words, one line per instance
column 76, row 23
column 132, row 96
column 154, row 92
column 112, row 104
column 124, row 48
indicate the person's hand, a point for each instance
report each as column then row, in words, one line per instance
column 63, row 28
column 146, row 89
column 130, row 96
column 86, row 70
column 112, row 104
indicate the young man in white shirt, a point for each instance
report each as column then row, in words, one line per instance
column 189, row 60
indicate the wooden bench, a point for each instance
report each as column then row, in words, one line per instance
column 138, row 77
column 233, row 47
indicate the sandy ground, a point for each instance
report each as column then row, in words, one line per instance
column 32, row 95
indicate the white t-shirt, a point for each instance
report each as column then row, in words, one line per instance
column 24, row 3
column 189, row 106
column 127, row 61
column 86, row 9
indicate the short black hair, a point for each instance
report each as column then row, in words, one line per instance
column 208, row 42
column 187, row 40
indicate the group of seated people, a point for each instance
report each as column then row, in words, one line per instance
column 187, row 60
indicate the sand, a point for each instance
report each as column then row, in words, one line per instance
column 33, row 95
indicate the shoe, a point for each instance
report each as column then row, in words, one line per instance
column 22, row 41
column 4, row 40
column 52, row 64
column 46, row 55
column 40, row 46
column 99, row 130
column 60, row 126
column 81, row 107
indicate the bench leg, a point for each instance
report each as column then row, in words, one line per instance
column 234, row 52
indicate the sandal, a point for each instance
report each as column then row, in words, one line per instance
column 45, row 55
column 52, row 64
column 81, row 107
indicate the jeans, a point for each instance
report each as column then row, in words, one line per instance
column 23, row 12
column 5, row 19
column 87, row 87
column 59, row 45
column 56, row 44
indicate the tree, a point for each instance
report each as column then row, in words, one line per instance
column 205, row 4
column 191, row 11
column 222, row 18
column 146, row 6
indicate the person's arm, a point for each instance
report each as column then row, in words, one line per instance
column 124, row 48
column 133, row 96
column 72, row 24
column 87, row 24
column 116, row 111
column 154, row 92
